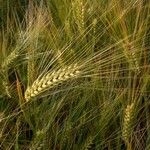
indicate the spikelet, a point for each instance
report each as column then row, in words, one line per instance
column 89, row 144
column 128, row 122
column 9, row 60
column 7, row 88
column 135, row 62
column 51, row 80
column 68, row 29
column 79, row 14
column 5, row 67
column 94, row 23
column 132, row 57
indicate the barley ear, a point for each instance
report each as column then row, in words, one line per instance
column 9, row 60
column 128, row 123
column 79, row 14
column 89, row 143
column 131, row 55
column 51, row 80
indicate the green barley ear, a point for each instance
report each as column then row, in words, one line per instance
column 9, row 60
column 89, row 143
column 68, row 28
column 79, row 14
column 51, row 80
column 128, row 123
column 131, row 55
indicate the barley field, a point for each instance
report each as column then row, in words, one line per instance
column 74, row 74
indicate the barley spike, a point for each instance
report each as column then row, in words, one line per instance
column 51, row 80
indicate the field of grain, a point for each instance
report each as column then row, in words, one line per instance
column 74, row 75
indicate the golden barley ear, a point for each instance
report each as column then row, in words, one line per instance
column 51, row 80
column 128, row 123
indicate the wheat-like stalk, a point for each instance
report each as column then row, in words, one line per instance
column 51, row 80
column 128, row 122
